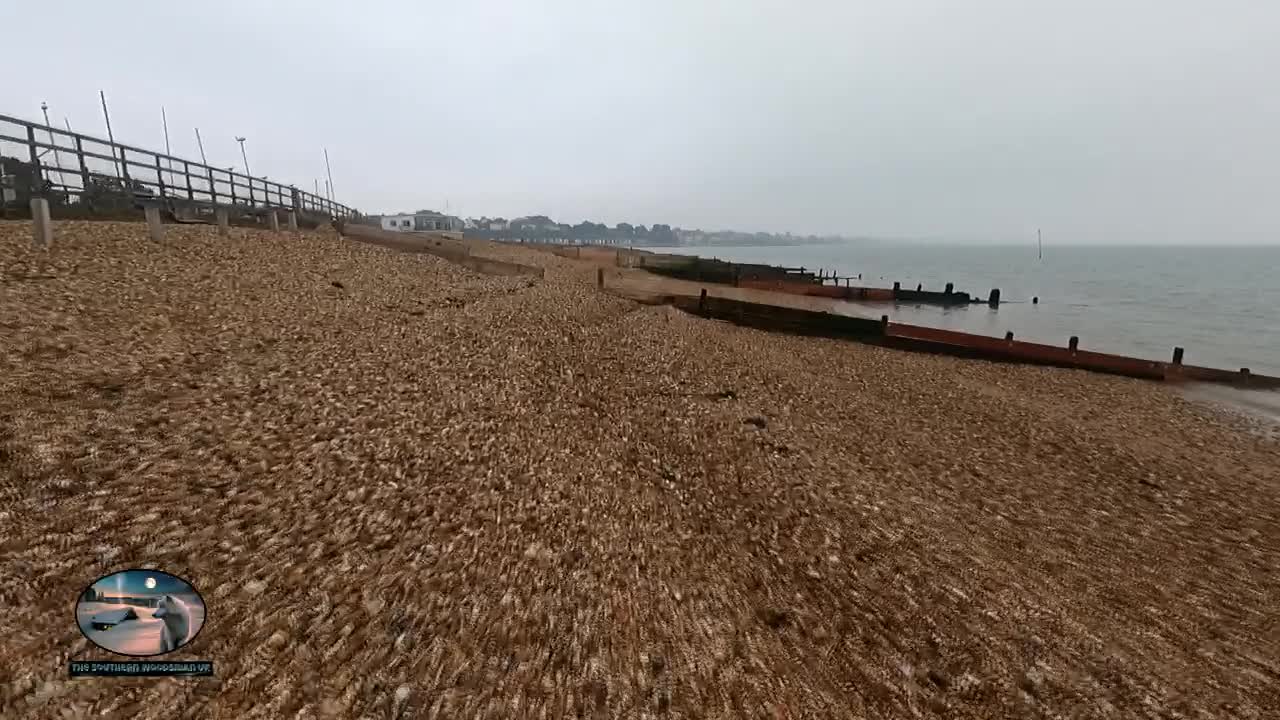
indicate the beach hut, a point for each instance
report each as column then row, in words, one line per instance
column 111, row 618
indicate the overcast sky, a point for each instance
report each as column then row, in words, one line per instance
column 1099, row 121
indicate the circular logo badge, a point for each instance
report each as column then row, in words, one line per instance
column 142, row 613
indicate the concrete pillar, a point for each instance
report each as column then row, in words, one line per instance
column 293, row 220
column 154, row 227
column 41, row 224
column 273, row 221
column 224, row 222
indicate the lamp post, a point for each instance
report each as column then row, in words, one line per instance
column 243, row 156
column 57, row 159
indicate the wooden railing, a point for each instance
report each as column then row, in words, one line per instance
column 75, row 168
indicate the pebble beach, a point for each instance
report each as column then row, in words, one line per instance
column 407, row 490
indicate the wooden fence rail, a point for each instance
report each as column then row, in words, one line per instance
column 71, row 167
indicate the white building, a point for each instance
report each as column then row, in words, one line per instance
column 422, row 222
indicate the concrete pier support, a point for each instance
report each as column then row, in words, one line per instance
column 154, row 227
column 273, row 220
column 41, row 224
column 293, row 220
column 224, row 222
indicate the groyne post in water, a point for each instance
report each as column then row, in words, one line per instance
column 994, row 298
column 949, row 288
column 1177, row 356
column 1073, row 344
column 1009, row 336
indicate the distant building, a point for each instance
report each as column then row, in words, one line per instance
column 534, row 222
column 423, row 221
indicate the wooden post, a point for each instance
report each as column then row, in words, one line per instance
column 224, row 225
column 1177, row 356
column 1073, row 344
column 950, row 287
column 34, row 156
column 994, row 298
column 84, row 169
column 160, row 176
column 293, row 220
column 919, row 287
column 702, row 300
column 884, row 324
column 213, row 192
column 273, row 220
column 186, row 172
column 1009, row 336
column 41, row 225
column 36, row 180
column 154, row 227
column 124, row 173
column 896, row 286
column 600, row 277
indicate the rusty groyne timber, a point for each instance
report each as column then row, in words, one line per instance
column 778, row 304
column 797, row 281
column 959, row 344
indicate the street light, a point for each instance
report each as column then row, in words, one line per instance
column 244, row 157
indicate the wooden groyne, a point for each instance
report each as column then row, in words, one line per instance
column 796, row 281
column 800, row 321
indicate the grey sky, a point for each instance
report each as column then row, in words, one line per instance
column 1120, row 121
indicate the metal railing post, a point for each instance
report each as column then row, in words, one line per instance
column 124, row 171
column 37, row 173
column 84, row 169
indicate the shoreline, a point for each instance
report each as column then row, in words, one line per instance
column 1113, row 310
column 799, row 302
column 510, row 484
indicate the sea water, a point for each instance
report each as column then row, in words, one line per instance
column 1221, row 304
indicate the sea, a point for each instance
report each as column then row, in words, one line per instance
column 1220, row 304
